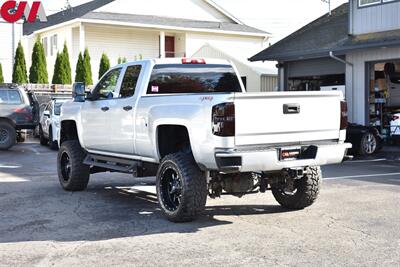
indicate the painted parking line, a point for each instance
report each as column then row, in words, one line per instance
column 363, row 161
column 363, row 176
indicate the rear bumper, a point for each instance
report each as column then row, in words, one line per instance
column 231, row 160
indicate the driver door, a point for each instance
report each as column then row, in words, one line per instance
column 96, row 118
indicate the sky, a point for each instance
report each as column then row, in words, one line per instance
column 278, row 17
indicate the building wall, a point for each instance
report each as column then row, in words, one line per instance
column 252, row 77
column 120, row 42
column 356, row 87
column 8, row 44
column 376, row 18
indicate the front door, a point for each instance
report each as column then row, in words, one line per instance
column 96, row 113
column 169, row 46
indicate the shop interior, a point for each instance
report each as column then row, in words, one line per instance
column 384, row 98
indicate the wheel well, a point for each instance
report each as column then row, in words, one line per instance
column 68, row 131
column 7, row 120
column 172, row 139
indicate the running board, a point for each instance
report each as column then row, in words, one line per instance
column 111, row 163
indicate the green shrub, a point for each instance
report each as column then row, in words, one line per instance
column 80, row 70
column 88, row 68
column 66, row 66
column 38, row 71
column 20, row 75
column 1, row 74
column 104, row 65
column 62, row 68
column 122, row 60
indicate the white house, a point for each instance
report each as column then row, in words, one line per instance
column 10, row 35
column 149, row 29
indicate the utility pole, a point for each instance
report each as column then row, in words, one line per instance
column 329, row 5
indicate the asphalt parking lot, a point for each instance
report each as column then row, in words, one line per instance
column 355, row 222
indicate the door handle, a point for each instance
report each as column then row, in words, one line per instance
column 291, row 109
column 128, row 108
column 105, row 109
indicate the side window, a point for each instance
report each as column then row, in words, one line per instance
column 130, row 80
column 106, row 88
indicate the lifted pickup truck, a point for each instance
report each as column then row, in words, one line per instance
column 191, row 123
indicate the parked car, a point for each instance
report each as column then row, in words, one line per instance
column 49, row 125
column 18, row 111
column 191, row 123
column 366, row 140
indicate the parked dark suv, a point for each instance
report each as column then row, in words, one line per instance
column 18, row 111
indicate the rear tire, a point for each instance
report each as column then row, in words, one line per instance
column 368, row 144
column 7, row 136
column 43, row 140
column 72, row 173
column 52, row 143
column 306, row 191
column 181, row 187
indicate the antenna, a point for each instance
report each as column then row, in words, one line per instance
column 329, row 4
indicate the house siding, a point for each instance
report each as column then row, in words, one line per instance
column 356, row 88
column 376, row 18
column 120, row 42
column 8, row 45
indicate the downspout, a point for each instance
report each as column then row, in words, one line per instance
column 351, row 65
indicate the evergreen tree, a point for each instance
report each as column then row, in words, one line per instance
column 80, row 70
column 20, row 75
column 66, row 66
column 57, row 70
column 1, row 74
column 104, row 65
column 38, row 71
column 88, row 68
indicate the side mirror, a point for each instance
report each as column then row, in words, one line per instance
column 46, row 113
column 78, row 92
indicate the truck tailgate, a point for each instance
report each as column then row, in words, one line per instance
column 287, row 117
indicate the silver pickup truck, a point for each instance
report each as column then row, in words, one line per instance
column 191, row 123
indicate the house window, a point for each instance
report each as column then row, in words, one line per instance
column 44, row 42
column 364, row 3
column 368, row 2
column 53, row 45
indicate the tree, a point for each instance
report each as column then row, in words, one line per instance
column 122, row 60
column 62, row 68
column 87, row 67
column 38, row 71
column 104, row 65
column 20, row 75
column 1, row 74
column 66, row 66
column 80, row 70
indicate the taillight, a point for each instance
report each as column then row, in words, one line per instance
column 343, row 115
column 223, row 119
column 193, row 61
column 395, row 118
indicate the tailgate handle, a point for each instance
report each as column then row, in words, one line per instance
column 291, row 109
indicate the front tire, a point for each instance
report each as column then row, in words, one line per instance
column 306, row 191
column 181, row 188
column 72, row 173
column 7, row 136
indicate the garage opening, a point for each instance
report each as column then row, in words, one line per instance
column 334, row 82
column 384, row 98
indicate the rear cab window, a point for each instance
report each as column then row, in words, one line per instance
column 10, row 97
column 193, row 79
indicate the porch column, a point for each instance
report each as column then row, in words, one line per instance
column 162, row 44
column 82, row 40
